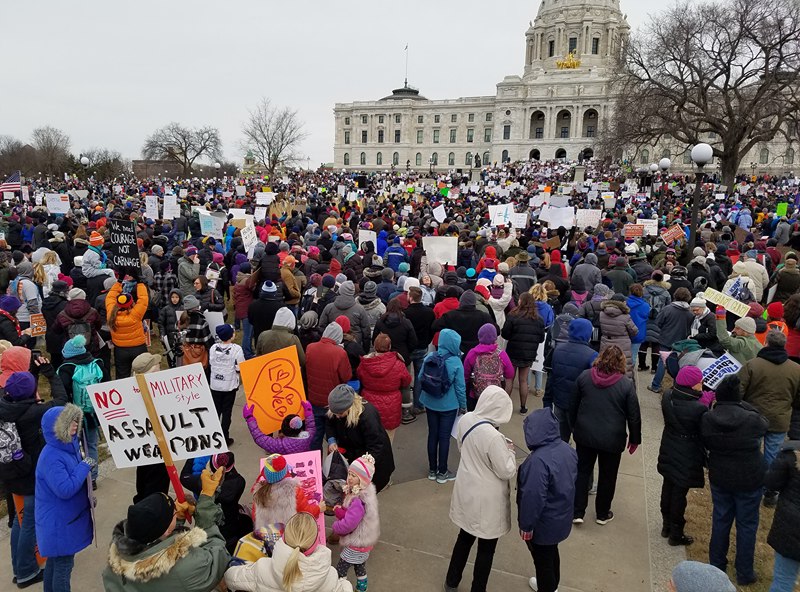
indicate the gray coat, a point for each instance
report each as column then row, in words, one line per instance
column 783, row 232
column 587, row 273
column 617, row 328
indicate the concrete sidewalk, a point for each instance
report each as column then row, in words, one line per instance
column 417, row 535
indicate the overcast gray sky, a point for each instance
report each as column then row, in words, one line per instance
column 110, row 72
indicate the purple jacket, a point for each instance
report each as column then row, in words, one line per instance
column 482, row 348
column 285, row 445
column 348, row 519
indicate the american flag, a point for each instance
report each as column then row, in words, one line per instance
column 12, row 183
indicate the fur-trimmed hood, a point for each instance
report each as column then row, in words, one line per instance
column 614, row 308
column 55, row 426
column 141, row 563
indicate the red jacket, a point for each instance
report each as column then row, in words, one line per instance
column 327, row 366
column 242, row 296
column 382, row 376
column 444, row 306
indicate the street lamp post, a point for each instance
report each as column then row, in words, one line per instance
column 653, row 168
column 701, row 155
column 217, row 166
column 664, row 165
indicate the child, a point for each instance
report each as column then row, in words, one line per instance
column 357, row 521
column 294, row 436
column 277, row 496
column 223, row 360
column 775, row 322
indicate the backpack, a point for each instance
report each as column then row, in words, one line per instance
column 487, row 371
column 83, row 376
column 434, row 378
column 656, row 302
column 80, row 327
column 9, row 441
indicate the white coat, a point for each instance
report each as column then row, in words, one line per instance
column 266, row 575
column 481, row 503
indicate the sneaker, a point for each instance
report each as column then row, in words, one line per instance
column 418, row 411
column 431, row 475
column 408, row 417
column 539, row 393
column 606, row 520
column 683, row 540
column 523, row 410
column 34, row 580
column 654, row 389
column 94, row 484
column 447, row 588
column 577, row 520
column 535, row 585
column 444, row 478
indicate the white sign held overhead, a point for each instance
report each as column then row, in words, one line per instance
column 183, row 193
column 211, row 225
column 439, row 213
column 367, row 235
column 260, row 214
column 151, row 207
column 559, row 201
column 264, row 199
column 249, row 238
column 240, row 190
column 57, row 203
column 171, row 208
column 25, row 194
column 584, row 218
column 441, row 249
column 650, row 226
column 520, row 220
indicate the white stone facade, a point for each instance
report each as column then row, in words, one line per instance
column 548, row 112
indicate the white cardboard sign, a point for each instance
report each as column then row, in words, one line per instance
column 57, row 203
column 151, row 207
column 441, row 249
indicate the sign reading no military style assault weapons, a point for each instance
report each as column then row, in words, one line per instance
column 184, row 408
column 122, row 244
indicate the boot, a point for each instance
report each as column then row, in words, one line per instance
column 770, row 499
column 676, row 536
column 665, row 530
column 643, row 362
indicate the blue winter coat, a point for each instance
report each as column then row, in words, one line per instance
column 382, row 244
column 546, row 312
column 546, row 481
column 394, row 256
column 640, row 312
column 456, row 395
column 63, row 511
column 569, row 360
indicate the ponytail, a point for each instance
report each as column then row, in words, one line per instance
column 291, row 571
column 112, row 317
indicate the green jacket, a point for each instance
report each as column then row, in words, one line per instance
column 742, row 348
column 771, row 384
column 190, row 559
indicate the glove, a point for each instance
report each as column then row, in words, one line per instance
column 721, row 312
column 184, row 510
column 89, row 461
column 46, row 369
column 462, row 411
column 18, row 454
column 526, row 535
column 210, row 481
column 632, row 448
column 339, row 512
column 247, row 412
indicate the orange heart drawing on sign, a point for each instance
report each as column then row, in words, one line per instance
column 273, row 385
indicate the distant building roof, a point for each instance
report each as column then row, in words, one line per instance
column 406, row 92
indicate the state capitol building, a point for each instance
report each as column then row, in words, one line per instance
column 555, row 110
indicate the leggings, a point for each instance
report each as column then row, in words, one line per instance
column 343, row 567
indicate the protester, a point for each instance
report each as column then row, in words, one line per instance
column 524, row 331
column 327, row 367
column 382, row 375
column 485, row 365
column 125, row 316
column 223, row 360
column 784, row 535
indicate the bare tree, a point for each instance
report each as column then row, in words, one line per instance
column 183, row 145
column 52, row 149
column 104, row 163
column 728, row 67
column 273, row 135
column 16, row 156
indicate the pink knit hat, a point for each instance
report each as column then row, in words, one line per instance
column 364, row 467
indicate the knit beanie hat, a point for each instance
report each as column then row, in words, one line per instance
column 59, row 287
column 20, row 386
column 775, row 310
column 10, row 303
column 334, row 332
column 370, row 289
column 343, row 322
column 224, row 332
column 487, row 334
column 341, row 398
column 467, row 300
column 125, row 301
column 602, row 290
column 292, row 425
column 693, row 576
column 275, row 468
column 347, row 289
column 689, row 376
column 756, row 310
column 190, row 302
column 76, row 294
column 364, row 468
column 191, row 251
column 483, row 291
column 746, row 324
column 149, row 518
column 411, row 282
column 96, row 240
column 328, row 281
column 403, row 267
column 223, row 459
column 309, row 320
column 268, row 287
column 698, row 302
column 74, row 347
column 387, row 274
column 341, row 278
column 383, row 343
column 109, row 282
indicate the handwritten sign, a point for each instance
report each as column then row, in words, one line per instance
column 264, row 198
column 584, row 218
column 307, row 467
column 738, row 308
column 211, row 225
column 441, row 249
column 57, row 203
column 171, row 208
column 184, row 405
column 724, row 366
column 38, row 325
column 367, row 236
column 650, row 226
column 151, row 207
column 122, row 244
column 439, row 213
column 274, row 386
column 249, row 238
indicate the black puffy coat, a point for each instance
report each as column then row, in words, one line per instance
column 784, row 476
column 465, row 322
column 674, row 323
column 732, row 432
column 261, row 313
column 682, row 456
column 524, row 335
column 400, row 331
column 8, row 331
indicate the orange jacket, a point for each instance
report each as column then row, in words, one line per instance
column 129, row 331
column 772, row 324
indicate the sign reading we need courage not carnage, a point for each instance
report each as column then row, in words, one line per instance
column 122, row 244
column 185, row 410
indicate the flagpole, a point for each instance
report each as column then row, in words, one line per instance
column 406, row 80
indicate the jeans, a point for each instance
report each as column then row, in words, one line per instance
column 661, row 369
column 772, row 445
column 673, row 507
column 223, row 401
column 606, row 480
column 742, row 506
column 539, row 379
column 416, row 359
column 547, row 563
column 320, row 418
column 91, row 448
column 23, row 542
column 179, row 238
column 57, row 573
column 784, row 575
column 483, row 561
column 247, row 339
column 635, row 352
column 440, row 424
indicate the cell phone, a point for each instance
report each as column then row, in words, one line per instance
column 36, row 354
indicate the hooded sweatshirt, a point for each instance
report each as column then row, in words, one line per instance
column 569, row 360
column 281, row 335
column 456, row 395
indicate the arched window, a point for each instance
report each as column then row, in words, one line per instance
column 346, row 159
column 379, row 158
column 561, row 154
column 418, row 159
column 363, row 158
column 396, row 158
column 486, row 158
column 505, row 157
column 644, row 157
column 435, row 158
column 789, row 158
column 665, row 153
column 468, row 159
column 451, row 159
column 763, row 158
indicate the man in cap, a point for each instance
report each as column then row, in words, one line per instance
column 741, row 343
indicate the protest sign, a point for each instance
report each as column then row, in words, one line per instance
column 260, row 214
column 633, row 230
column 249, row 238
column 237, row 213
column 240, row 190
column 584, row 218
column 38, row 325
column 274, row 386
column 25, row 193
column 8, row 196
column 214, row 318
column 609, row 202
column 559, row 201
column 780, row 210
column 183, row 405
column 439, row 213
column 264, row 198
column 183, row 193
column 724, row 366
column 499, row 215
column 519, row 220
column 122, row 244
column 672, row 234
column 57, row 203
column 307, row 467
column 650, row 226
column 537, row 200
column 441, row 249
column 367, row 235
column 738, row 308
column 556, row 217
column 171, row 209
column 211, row 225
column 151, row 207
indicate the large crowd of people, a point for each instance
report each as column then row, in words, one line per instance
column 389, row 331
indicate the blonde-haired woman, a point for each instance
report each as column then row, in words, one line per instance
column 46, row 271
column 297, row 563
column 355, row 425
column 548, row 316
